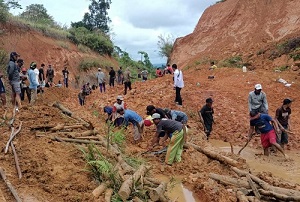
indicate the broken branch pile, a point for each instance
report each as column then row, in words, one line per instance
column 256, row 186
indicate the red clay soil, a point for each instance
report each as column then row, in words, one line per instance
column 54, row 171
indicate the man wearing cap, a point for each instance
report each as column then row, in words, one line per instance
column 282, row 118
column 151, row 110
column 136, row 120
column 101, row 79
column 176, row 115
column 120, row 104
column 33, row 83
column 13, row 73
column 267, row 133
column 206, row 116
column 257, row 100
column 176, row 131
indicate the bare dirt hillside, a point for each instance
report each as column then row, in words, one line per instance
column 237, row 27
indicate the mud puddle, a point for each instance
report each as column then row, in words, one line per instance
column 177, row 191
column 288, row 170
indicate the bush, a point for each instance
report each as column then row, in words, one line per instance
column 3, row 61
column 63, row 44
column 90, row 63
column 3, row 12
column 84, row 49
column 235, row 61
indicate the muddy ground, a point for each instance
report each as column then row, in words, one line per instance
column 55, row 171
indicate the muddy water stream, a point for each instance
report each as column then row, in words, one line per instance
column 276, row 164
column 177, row 192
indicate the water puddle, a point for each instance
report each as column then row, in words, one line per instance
column 178, row 192
column 288, row 170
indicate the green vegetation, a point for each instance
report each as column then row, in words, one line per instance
column 100, row 168
column 83, row 48
column 295, row 56
column 90, row 63
column 63, row 44
column 221, row 1
column 116, row 136
column 235, row 61
column 165, row 45
column 283, row 68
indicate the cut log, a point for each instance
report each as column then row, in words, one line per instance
column 42, row 127
column 100, row 189
column 279, row 196
column 88, row 137
column 16, row 160
column 89, row 133
column 153, row 180
column 62, row 108
column 10, row 186
column 226, row 180
column 126, row 168
column 108, row 195
column 8, row 142
column 158, row 192
column 241, row 197
column 59, row 126
column 252, row 199
column 266, row 186
column 136, row 199
column 214, row 155
column 127, row 186
column 253, row 187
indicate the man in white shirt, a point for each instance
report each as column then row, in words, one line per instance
column 257, row 100
column 178, row 84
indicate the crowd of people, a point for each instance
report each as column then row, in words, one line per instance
column 28, row 82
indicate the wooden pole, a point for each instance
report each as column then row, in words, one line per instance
column 12, row 136
column 16, row 160
column 10, row 186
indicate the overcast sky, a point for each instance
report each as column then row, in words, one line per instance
column 136, row 24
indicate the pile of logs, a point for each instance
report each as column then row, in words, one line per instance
column 249, row 187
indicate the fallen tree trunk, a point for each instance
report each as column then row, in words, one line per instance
column 241, row 197
column 214, row 155
column 62, row 108
column 126, row 168
column 100, row 189
column 127, row 186
column 226, row 180
column 279, row 196
column 158, row 192
column 16, row 160
column 108, row 195
column 253, row 187
column 252, row 199
column 9, row 185
column 266, row 186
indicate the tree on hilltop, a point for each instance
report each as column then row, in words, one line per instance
column 165, row 45
column 37, row 13
column 97, row 17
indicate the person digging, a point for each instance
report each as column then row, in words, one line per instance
column 173, row 130
column 267, row 136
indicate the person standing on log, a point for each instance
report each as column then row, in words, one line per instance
column 174, row 130
column 136, row 120
column 282, row 118
column 267, row 136
column 206, row 117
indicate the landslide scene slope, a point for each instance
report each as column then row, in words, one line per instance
column 57, row 170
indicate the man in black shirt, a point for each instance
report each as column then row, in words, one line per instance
column 206, row 116
column 151, row 110
column 42, row 74
column 112, row 76
column 65, row 73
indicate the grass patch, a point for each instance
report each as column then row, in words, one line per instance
column 91, row 63
column 283, row 68
column 84, row 49
column 63, row 44
column 235, row 62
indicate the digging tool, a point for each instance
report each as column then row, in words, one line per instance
column 244, row 145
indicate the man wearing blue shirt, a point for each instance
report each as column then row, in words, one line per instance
column 268, row 136
column 136, row 120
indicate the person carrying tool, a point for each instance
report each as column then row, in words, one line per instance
column 282, row 118
column 267, row 136
column 174, row 130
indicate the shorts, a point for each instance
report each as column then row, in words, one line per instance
column 267, row 139
column 208, row 128
column 16, row 87
column 2, row 89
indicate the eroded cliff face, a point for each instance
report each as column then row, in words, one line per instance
column 238, row 27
